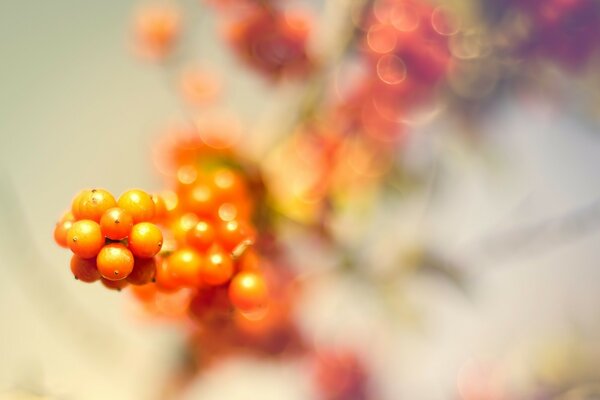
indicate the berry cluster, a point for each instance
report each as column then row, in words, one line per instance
column 115, row 241
column 271, row 41
column 209, row 236
column 405, row 58
column 209, row 219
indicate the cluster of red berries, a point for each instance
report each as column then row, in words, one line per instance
column 271, row 41
column 115, row 241
column 405, row 57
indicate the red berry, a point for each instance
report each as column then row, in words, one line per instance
column 184, row 266
column 144, row 270
column 84, row 269
column 232, row 233
column 115, row 262
column 116, row 223
column 248, row 291
column 60, row 232
column 217, row 268
column 138, row 204
column 85, row 238
column 114, row 285
column 202, row 236
column 145, row 240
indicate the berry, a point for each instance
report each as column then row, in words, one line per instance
column 201, row 199
column 144, row 270
column 93, row 203
column 116, row 223
column 184, row 266
column 60, row 232
column 144, row 293
column 233, row 233
column 84, row 269
column 85, row 238
column 183, row 225
column 138, row 204
column 145, row 240
column 75, row 203
column 202, row 236
column 115, row 262
column 217, row 268
column 248, row 261
column 229, row 185
column 248, row 291
column 114, row 285
column 165, row 281
column 160, row 208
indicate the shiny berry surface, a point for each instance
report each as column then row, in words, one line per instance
column 217, row 268
column 138, row 204
column 84, row 269
column 144, row 271
column 145, row 240
column 248, row 291
column 85, row 238
column 116, row 223
column 115, row 262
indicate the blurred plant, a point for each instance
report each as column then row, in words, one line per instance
column 207, row 254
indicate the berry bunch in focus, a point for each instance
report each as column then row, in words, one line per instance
column 113, row 241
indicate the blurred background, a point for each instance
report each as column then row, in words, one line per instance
column 505, row 301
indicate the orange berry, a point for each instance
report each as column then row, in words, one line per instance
column 116, row 223
column 138, row 204
column 229, row 185
column 145, row 240
column 144, row 293
column 249, row 261
column 165, row 281
column 60, row 233
column 160, row 208
column 233, row 233
column 202, row 236
column 76, row 201
column 85, row 238
column 171, row 201
column 114, row 285
column 84, row 269
column 184, row 266
column 93, row 203
column 248, row 291
column 114, row 262
column 144, row 270
column 183, row 225
column 201, row 200
column 217, row 269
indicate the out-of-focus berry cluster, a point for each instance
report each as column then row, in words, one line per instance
column 266, row 37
